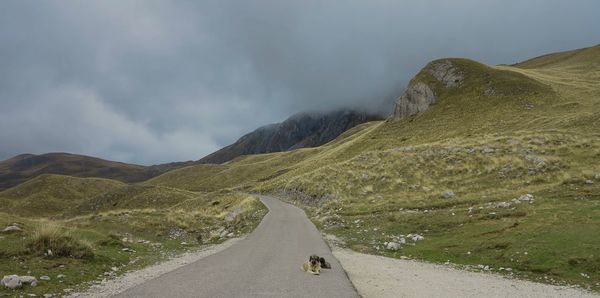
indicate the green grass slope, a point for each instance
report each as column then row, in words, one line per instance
column 27, row 166
column 50, row 194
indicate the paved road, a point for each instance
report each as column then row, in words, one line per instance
column 264, row 264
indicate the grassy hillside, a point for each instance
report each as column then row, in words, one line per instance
column 506, row 132
column 99, row 228
column 27, row 166
column 49, row 195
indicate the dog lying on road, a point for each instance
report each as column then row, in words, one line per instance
column 324, row 264
column 314, row 265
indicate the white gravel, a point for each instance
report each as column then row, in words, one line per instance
column 133, row 278
column 377, row 276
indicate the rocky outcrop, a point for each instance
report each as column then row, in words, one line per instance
column 420, row 95
column 445, row 72
column 299, row 131
column 14, row 281
column 417, row 98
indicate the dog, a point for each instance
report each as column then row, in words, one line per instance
column 312, row 266
column 324, row 264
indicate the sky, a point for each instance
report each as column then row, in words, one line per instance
column 149, row 82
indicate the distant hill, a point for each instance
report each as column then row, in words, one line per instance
column 299, row 131
column 50, row 194
column 26, row 166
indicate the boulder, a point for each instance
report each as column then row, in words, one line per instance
column 393, row 246
column 415, row 237
column 223, row 233
column 26, row 279
column 12, row 229
column 11, row 282
column 448, row 194
column 526, row 198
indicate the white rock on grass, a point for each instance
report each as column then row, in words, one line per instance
column 597, row 177
column 12, row 228
column 393, row 246
column 524, row 198
column 588, row 181
column 415, row 237
column 26, row 279
column 45, row 277
column 448, row 194
column 11, row 282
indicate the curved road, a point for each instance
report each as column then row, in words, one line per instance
column 264, row 264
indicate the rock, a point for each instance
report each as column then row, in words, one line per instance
column 115, row 269
column 503, row 205
column 416, row 99
column 597, row 177
column 448, row 194
column 393, row 246
column 589, row 181
column 445, row 72
column 230, row 235
column 31, row 295
column 11, row 282
column 487, row 150
column 60, row 276
column 45, row 277
column 525, row 198
column 12, row 229
column 223, row 233
column 26, row 279
column 415, row 237
column 48, row 296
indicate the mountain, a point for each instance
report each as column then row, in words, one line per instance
column 26, row 166
column 299, row 131
column 485, row 162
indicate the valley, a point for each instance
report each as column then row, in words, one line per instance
column 489, row 168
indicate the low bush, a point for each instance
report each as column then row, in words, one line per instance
column 50, row 241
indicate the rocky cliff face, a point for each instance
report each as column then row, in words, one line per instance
column 299, row 131
column 420, row 93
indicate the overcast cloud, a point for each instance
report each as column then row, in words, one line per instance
column 158, row 81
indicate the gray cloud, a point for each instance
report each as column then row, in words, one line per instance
column 158, row 81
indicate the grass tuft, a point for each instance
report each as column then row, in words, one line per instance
column 51, row 241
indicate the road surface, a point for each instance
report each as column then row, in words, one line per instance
column 264, row 264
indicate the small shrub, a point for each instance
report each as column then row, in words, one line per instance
column 113, row 241
column 50, row 241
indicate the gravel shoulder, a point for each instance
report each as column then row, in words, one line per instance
column 134, row 278
column 377, row 276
